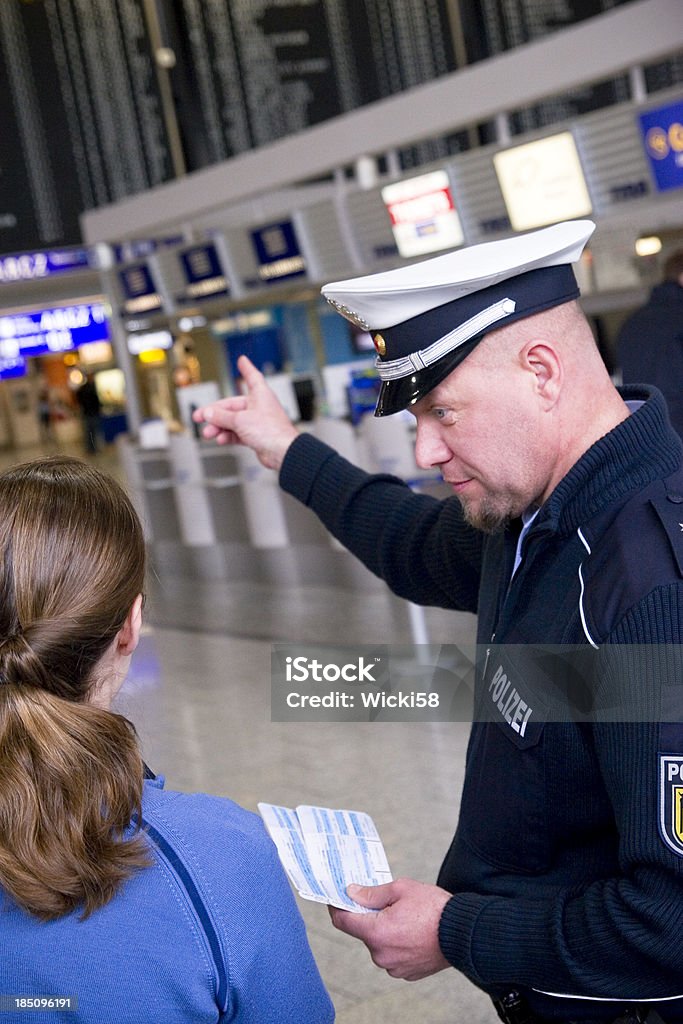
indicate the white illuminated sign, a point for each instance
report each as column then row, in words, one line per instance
column 423, row 215
column 542, row 182
column 138, row 343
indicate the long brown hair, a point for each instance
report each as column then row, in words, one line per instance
column 72, row 562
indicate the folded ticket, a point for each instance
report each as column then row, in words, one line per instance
column 323, row 851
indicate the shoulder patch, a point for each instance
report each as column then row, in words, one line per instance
column 669, row 508
column 634, row 550
column 671, row 801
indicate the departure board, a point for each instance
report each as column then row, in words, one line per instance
column 492, row 26
column 81, row 121
column 83, row 124
column 252, row 71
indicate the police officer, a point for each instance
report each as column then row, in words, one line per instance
column 562, row 892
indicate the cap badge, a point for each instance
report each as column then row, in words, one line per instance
column 380, row 344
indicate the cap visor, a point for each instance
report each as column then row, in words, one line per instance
column 397, row 395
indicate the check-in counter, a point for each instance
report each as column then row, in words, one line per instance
column 209, row 492
column 150, row 478
column 159, row 490
column 223, row 481
column 189, row 492
column 132, row 470
column 266, row 524
column 202, row 494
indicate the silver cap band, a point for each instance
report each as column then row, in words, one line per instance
column 394, row 369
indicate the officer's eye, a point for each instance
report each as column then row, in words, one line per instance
column 445, row 417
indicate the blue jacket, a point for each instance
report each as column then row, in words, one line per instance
column 567, row 863
column 147, row 956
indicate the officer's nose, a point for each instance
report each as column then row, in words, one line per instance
column 430, row 449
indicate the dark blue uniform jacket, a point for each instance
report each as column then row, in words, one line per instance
column 567, row 863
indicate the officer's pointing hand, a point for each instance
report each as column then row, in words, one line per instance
column 403, row 936
column 255, row 419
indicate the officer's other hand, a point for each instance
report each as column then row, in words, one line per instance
column 255, row 419
column 403, row 936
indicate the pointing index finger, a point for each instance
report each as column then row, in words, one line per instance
column 250, row 374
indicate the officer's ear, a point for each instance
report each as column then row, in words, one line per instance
column 540, row 359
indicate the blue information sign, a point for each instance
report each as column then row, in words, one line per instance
column 52, row 330
column 31, row 266
column 278, row 252
column 139, row 290
column 662, row 131
column 12, row 368
column 203, row 272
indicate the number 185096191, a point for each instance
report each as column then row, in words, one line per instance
column 19, row 1003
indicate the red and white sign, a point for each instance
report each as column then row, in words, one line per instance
column 423, row 214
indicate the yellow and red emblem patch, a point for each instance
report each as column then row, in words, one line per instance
column 671, row 801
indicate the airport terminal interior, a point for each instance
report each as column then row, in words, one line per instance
column 207, row 232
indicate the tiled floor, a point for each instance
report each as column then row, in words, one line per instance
column 199, row 693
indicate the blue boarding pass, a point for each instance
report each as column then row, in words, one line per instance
column 323, row 851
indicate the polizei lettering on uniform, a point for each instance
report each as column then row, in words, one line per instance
column 507, row 699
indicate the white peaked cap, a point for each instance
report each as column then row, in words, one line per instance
column 383, row 300
column 426, row 318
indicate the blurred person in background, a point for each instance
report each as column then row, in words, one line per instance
column 650, row 342
column 91, row 410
